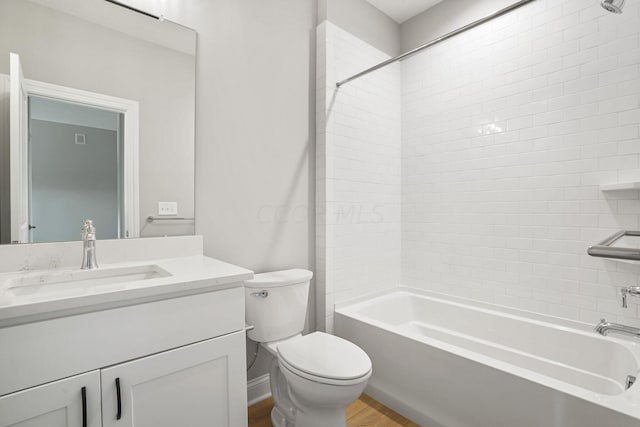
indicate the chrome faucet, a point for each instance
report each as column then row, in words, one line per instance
column 88, row 232
column 604, row 327
column 630, row 290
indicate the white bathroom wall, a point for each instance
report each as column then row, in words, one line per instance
column 358, row 146
column 508, row 131
column 255, row 128
column 364, row 21
column 444, row 17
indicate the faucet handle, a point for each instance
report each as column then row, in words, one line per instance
column 88, row 231
column 629, row 290
column 599, row 327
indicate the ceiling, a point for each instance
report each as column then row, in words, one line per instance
column 402, row 10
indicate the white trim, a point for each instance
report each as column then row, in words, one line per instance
column 258, row 389
column 5, row 162
column 14, row 162
column 18, row 152
column 130, row 110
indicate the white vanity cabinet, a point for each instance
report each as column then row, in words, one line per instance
column 178, row 362
column 189, row 386
column 71, row 402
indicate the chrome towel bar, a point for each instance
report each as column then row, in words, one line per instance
column 151, row 219
column 606, row 248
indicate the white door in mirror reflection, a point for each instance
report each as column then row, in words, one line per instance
column 74, row 155
column 74, row 170
column 19, row 153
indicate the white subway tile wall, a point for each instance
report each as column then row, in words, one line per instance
column 507, row 132
column 358, row 172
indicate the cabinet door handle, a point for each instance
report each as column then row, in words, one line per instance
column 119, row 400
column 83, row 391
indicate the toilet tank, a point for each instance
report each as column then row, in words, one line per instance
column 276, row 304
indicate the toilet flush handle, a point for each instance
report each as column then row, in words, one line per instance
column 261, row 294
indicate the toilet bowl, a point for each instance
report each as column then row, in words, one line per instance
column 313, row 377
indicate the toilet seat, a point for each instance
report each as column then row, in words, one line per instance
column 322, row 380
column 324, row 358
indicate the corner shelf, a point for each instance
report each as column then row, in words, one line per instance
column 608, row 248
column 632, row 185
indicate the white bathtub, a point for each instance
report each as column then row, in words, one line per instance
column 446, row 361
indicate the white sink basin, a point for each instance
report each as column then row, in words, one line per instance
column 77, row 282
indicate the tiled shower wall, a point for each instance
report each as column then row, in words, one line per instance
column 508, row 131
column 358, row 172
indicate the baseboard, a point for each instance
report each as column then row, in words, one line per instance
column 401, row 407
column 258, row 389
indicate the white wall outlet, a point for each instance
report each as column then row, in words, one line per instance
column 167, row 208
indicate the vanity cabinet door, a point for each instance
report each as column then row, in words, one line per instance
column 57, row 404
column 199, row 385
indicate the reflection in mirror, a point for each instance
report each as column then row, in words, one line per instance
column 96, row 121
column 86, row 143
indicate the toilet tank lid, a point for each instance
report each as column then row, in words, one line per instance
column 279, row 278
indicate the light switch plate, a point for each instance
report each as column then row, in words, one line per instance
column 167, row 208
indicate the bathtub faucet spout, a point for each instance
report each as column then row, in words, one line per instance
column 604, row 327
column 625, row 292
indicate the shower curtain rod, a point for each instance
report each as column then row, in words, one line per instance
column 436, row 41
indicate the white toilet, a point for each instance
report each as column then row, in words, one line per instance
column 313, row 377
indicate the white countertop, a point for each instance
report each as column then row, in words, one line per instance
column 187, row 276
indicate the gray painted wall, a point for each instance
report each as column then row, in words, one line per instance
column 255, row 125
column 72, row 182
column 255, row 132
column 58, row 48
column 364, row 21
column 445, row 17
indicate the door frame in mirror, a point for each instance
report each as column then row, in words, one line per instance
column 130, row 111
column 18, row 152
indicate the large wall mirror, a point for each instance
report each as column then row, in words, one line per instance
column 97, row 118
